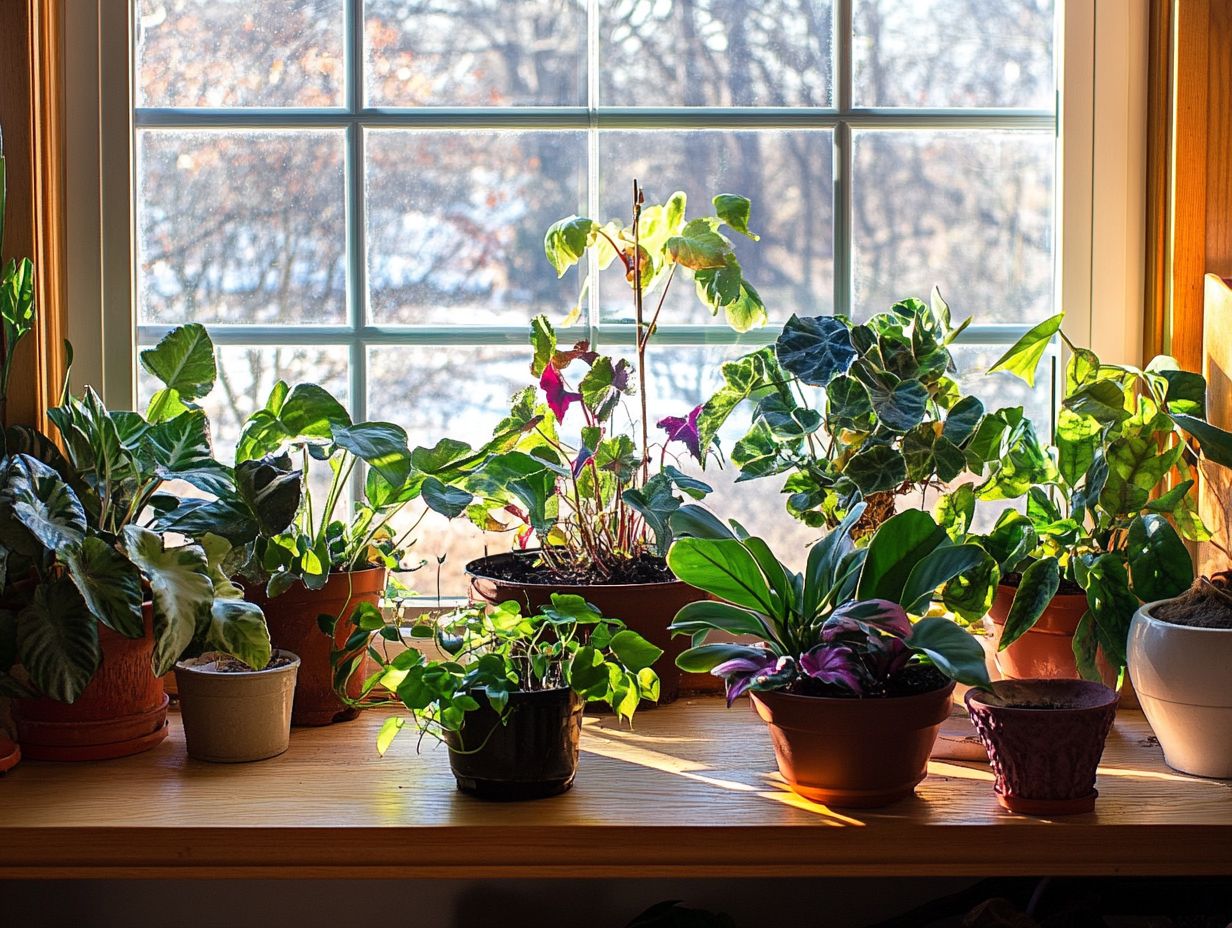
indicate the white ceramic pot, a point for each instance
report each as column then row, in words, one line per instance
column 1183, row 677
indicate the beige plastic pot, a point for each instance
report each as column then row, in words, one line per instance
column 230, row 718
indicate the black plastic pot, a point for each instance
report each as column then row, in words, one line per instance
column 533, row 754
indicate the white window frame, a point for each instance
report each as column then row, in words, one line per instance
column 1099, row 181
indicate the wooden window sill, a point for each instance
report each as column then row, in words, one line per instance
column 690, row 791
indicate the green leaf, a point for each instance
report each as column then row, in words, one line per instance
column 43, row 504
column 962, row 419
column 708, row 614
column 955, row 510
column 655, row 503
column 1086, row 648
column 734, row 210
column 876, row 469
column 899, row 545
column 1216, row 444
column 238, row 628
column 449, row 501
column 108, row 582
column 706, row 657
column 1159, row 562
column 57, row 640
column 1011, row 539
column 1024, row 355
column 389, row 730
column 1102, row 400
column 181, row 444
column 603, row 385
column 815, row 349
column 1111, row 603
column 956, row 653
column 272, row 491
column 1039, row 584
column 723, row 568
column 183, row 592
column 381, row 445
column 937, row 568
column 634, row 651
column 849, row 405
column 970, row 595
column 1186, row 393
column 567, row 240
column 543, row 342
column 903, row 407
column 183, row 361
column 699, row 246
column 1077, row 437
column 698, row 522
column 741, row 377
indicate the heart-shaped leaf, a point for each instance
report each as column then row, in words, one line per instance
column 108, row 582
column 57, row 640
column 816, row 349
column 183, row 361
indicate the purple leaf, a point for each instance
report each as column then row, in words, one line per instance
column 559, row 399
column 879, row 613
column 584, row 454
column 741, row 673
column 832, row 664
column 684, row 430
column 888, row 655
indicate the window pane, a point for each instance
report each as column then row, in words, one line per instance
column 970, row 212
column 715, row 53
column 475, row 52
column 456, row 221
column 787, row 176
column 239, row 53
column 245, row 377
column 241, row 227
column 952, row 53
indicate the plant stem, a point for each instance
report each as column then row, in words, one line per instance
column 641, row 323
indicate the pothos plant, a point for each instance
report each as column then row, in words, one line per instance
column 495, row 651
column 601, row 503
column 1108, row 502
column 841, row 627
column 78, row 543
column 851, row 411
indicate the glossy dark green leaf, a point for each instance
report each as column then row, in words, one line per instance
column 381, row 445
column 876, row 469
column 1039, row 584
column 183, row 361
column 963, row 419
column 108, row 582
column 898, row 546
column 57, row 640
column 1216, row 444
column 1102, row 400
column 704, row 658
column 1159, row 562
column 723, row 568
column 816, row 349
column 956, row 652
column 449, row 501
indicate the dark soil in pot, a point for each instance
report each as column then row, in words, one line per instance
column 1044, row 739
column 646, row 606
column 1206, row 604
column 533, row 754
column 854, row 752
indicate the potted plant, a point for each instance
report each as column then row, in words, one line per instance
column 852, row 690
column 97, row 604
column 309, row 564
column 1100, row 532
column 598, row 506
column 236, row 692
column 1044, row 739
column 888, row 419
column 508, row 702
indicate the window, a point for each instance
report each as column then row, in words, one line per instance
column 355, row 191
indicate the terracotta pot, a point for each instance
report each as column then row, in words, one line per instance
column 1047, row 650
column 292, row 619
column 10, row 754
column 1045, row 746
column 857, row 753
column 1185, row 689
column 236, row 717
column 122, row 711
column 532, row 755
column 647, row 608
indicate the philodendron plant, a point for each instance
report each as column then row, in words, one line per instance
column 853, row 411
column 600, row 504
column 495, row 651
column 78, row 544
column 841, row 627
column 1108, row 503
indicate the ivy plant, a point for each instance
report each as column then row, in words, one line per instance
column 79, row 544
column 853, row 411
column 839, row 628
column 1108, row 504
column 494, row 651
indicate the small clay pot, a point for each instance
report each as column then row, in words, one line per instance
column 647, row 608
column 122, row 711
column 855, row 753
column 1044, row 739
column 10, row 754
column 293, row 626
column 1046, row 650
column 531, row 755
column 231, row 718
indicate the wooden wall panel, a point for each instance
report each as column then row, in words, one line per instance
column 31, row 108
column 1219, row 140
column 1215, row 487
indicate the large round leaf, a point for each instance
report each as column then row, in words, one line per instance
column 815, row 349
column 183, row 361
column 876, row 469
column 57, row 640
column 108, row 582
column 382, row 445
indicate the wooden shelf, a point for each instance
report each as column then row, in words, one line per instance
column 690, row 791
